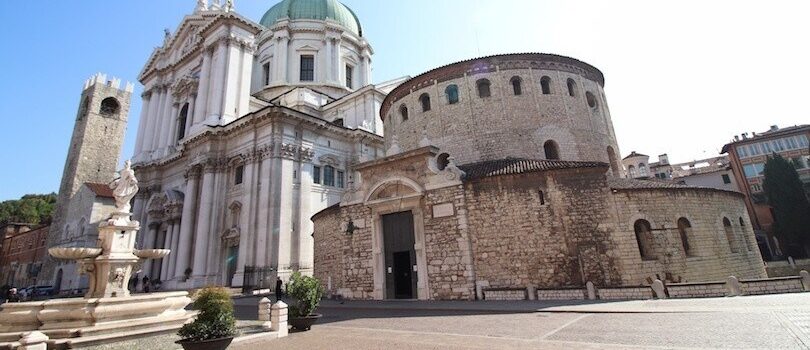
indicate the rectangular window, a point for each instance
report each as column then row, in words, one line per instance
column 742, row 151
column 349, row 76
column 726, row 179
column 754, row 149
column 340, row 179
column 803, row 140
column 240, row 172
column 766, row 148
column 266, row 73
column 749, row 170
column 778, row 145
column 798, row 162
column 316, row 174
column 791, row 143
column 307, row 68
column 756, row 188
column 328, row 175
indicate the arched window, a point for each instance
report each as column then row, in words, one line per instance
column 424, row 99
column 572, row 87
column 644, row 238
column 642, row 169
column 483, row 88
column 109, row 106
column 452, row 94
column 403, row 111
column 729, row 234
column 181, row 122
column 591, row 99
column 685, row 230
column 745, row 234
column 442, row 161
column 551, row 150
column 516, row 88
column 631, row 171
column 545, row 85
column 614, row 162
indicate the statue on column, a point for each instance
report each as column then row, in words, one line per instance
column 202, row 5
column 124, row 187
column 228, row 7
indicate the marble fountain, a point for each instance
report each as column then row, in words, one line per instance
column 108, row 311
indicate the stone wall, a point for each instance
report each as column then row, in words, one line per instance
column 520, row 239
column 710, row 257
column 505, row 124
column 344, row 263
column 783, row 268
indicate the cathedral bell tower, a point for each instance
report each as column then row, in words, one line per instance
column 98, row 135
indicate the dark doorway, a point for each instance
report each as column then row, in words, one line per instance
column 402, row 275
column 400, row 256
column 233, row 253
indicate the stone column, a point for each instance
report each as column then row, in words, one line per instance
column 203, row 234
column 265, row 225
column 217, row 92
column 145, row 97
column 303, row 228
column 154, row 118
column 174, row 246
column 243, row 106
column 167, row 244
column 231, row 84
column 336, row 60
column 166, row 121
column 365, row 69
column 246, row 229
column 201, row 102
column 174, row 123
column 187, row 221
column 283, row 43
column 330, row 69
column 192, row 104
column 149, row 243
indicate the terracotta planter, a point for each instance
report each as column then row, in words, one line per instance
column 211, row 344
column 304, row 323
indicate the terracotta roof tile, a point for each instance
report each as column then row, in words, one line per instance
column 519, row 166
column 101, row 190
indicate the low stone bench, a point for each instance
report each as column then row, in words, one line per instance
column 571, row 293
column 625, row 293
column 505, row 294
column 772, row 285
column 697, row 290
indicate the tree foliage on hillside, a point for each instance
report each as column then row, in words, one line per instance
column 31, row 209
column 785, row 194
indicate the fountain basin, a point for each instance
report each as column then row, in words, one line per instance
column 151, row 253
column 74, row 253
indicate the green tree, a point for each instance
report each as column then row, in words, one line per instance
column 31, row 208
column 791, row 209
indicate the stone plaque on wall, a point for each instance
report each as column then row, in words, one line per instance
column 443, row 210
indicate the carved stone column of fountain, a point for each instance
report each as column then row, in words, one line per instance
column 108, row 311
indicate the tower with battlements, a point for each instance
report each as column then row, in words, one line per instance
column 92, row 159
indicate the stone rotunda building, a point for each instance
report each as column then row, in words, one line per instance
column 502, row 172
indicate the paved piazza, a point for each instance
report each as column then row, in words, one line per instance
column 762, row 322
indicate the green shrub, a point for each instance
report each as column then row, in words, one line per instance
column 215, row 320
column 307, row 292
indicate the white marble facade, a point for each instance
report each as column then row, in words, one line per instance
column 235, row 152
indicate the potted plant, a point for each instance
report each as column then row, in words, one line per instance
column 215, row 325
column 307, row 293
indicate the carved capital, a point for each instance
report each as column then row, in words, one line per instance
column 288, row 150
column 306, row 154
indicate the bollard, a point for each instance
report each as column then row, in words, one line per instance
column 33, row 341
column 264, row 313
column 733, row 286
column 658, row 289
column 532, row 290
column 805, row 280
column 278, row 319
column 591, row 290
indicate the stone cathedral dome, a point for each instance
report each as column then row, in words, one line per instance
column 313, row 9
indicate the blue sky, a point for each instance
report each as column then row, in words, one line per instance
column 681, row 77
